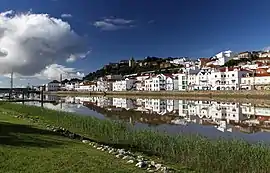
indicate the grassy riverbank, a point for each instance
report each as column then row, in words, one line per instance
column 191, row 94
column 198, row 153
column 25, row 147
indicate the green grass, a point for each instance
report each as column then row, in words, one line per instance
column 25, row 148
column 195, row 152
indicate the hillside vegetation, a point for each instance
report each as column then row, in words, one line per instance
column 153, row 64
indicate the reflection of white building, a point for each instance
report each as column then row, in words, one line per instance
column 156, row 105
column 219, row 113
column 123, row 103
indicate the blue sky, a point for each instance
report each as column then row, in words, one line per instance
column 157, row 27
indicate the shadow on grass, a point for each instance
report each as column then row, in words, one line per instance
column 24, row 135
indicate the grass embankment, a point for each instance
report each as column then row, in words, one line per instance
column 253, row 94
column 26, row 148
column 198, row 153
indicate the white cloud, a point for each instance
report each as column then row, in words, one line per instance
column 151, row 21
column 73, row 58
column 118, row 21
column 266, row 48
column 30, row 42
column 111, row 24
column 55, row 70
column 66, row 15
column 6, row 13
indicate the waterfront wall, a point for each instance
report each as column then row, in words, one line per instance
column 256, row 94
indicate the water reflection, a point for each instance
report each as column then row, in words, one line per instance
column 210, row 118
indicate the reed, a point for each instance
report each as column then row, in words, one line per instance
column 194, row 151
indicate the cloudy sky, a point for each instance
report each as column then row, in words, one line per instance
column 41, row 39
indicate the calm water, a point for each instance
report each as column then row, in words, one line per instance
column 209, row 118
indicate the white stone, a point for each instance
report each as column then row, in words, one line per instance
column 158, row 166
column 130, row 161
column 121, row 151
column 99, row 148
column 118, row 155
column 153, row 163
column 125, row 157
column 85, row 141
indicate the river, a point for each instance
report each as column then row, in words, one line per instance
column 212, row 119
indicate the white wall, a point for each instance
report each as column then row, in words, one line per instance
column 52, row 87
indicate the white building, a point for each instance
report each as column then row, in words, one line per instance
column 69, row 86
column 227, row 78
column 259, row 80
column 179, row 61
column 203, row 79
column 171, row 82
column 155, row 83
column 53, row 86
column 124, row 85
column 222, row 57
column 140, row 82
column 182, row 82
column 212, row 79
column 103, row 86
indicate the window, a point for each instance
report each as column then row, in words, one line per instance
column 215, row 75
column 232, row 75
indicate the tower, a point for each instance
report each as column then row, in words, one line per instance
column 131, row 62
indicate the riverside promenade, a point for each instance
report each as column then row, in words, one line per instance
column 243, row 94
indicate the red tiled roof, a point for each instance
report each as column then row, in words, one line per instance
column 204, row 59
column 168, row 75
column 263, row 58
column 262, row 75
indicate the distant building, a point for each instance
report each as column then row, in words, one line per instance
column 53, row 86
column 222, row 57
column 123, row 85
column 131, row 62
column 245, row 54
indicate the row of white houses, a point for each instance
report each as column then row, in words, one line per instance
column 193, row 79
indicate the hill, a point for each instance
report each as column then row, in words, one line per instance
column 125, row 67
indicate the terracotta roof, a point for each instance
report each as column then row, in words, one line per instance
column 243, row 52
column 262, row 75
column 264, row 58
column 224, row 69
column 168, row 75
column 204, row 59
column 213, row 66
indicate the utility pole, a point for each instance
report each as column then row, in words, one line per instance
column 11, row 84
column 61, row 78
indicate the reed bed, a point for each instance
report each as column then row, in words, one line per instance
column 193, row 151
